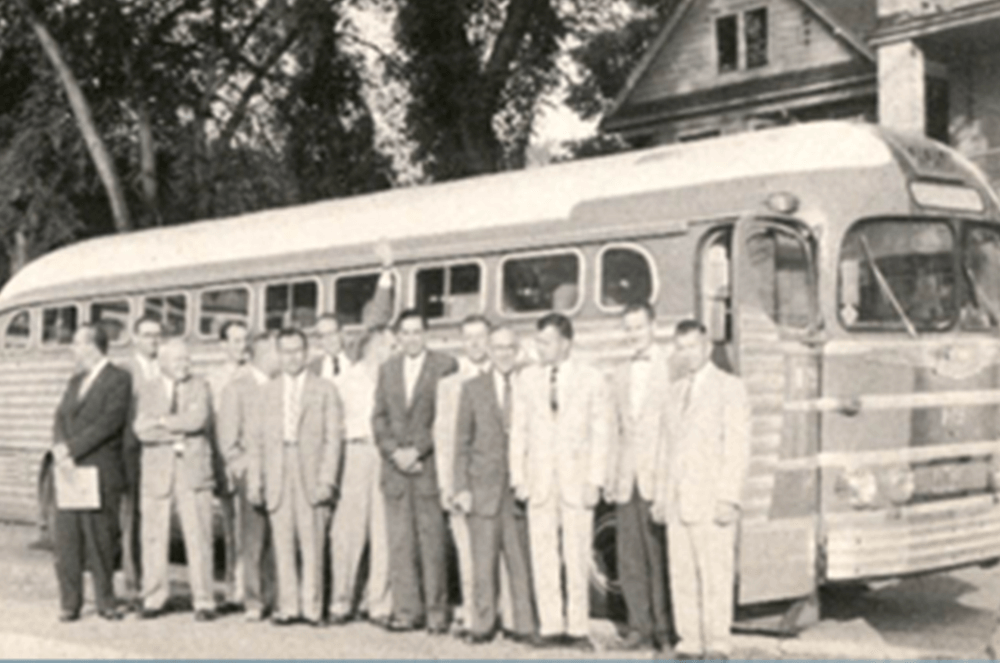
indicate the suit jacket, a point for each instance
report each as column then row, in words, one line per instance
column 398, row 425
column 449, row 392
column 637, row 437
column 482, row 459
column 708, row 449
column 92, row 427
column 556, row 455
column 319, row 440
column 240, row 404
column 190, row 426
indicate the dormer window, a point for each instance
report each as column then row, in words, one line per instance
column 741, row 40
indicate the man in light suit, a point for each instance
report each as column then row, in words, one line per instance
column 147, row 332
column 483, row 491
column 293, row 469
column 173, row 417
column 475, row 342
column 640, row 387
column 558, row 447
column 89, row 424
column 238, row 409
column 699, row 485
column 403, row 421
column 233, row 335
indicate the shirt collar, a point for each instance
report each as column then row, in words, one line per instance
column 97, row 368
column 259, row 376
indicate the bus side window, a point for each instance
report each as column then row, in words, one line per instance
column 626, row 277
column 781, row 266
column 541, row 283
column 170, row 310
column 451, row 292
column 58, row 325
column 291, row 305
column 18, row 332
column 113, row 316
column 716, row 285
column 217, row 307
column 351, row 294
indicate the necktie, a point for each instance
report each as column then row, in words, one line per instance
column 174, row 386
column 686, row 394
column 336, row 365
column 508, row 394
column 554, row 389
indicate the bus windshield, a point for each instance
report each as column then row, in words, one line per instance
column 920, row 275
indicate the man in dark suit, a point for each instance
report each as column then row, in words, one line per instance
column 88, row 431
column 405, row 404
column 483, row 491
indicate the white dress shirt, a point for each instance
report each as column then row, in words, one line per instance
column 639, row 370
column 326, row 369
column 149, row 368
column 411, row 373
column 293, row 404
column 92, row 374
column 357, row 386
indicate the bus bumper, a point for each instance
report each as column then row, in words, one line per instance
column 912, row 539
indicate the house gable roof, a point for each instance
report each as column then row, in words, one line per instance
column 848, row 20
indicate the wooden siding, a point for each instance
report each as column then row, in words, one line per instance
column 797, row 40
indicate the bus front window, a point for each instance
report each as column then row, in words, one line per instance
column 981, row 270
column 898, row 274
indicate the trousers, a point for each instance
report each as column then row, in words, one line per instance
column 560, row 537
column 701, row 585
column 87, row 539
column 194, row 507
column 641, row 554
column 297, row 524
column 358, row 521
column 256, row 563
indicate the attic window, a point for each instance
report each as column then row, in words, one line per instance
column 741, row 40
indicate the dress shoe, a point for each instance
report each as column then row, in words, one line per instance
column 548, row 641
column 338, row 620
column 634, row 641
column 69, row 616
column 437, row 629
column 229, row 607
column 580, row 643
column 110, row 615
column 281, row 620
column 315, row 623
column 479, row 638
column 401, row 625
column 204, row 615
column 381, row 622
column 151, row 613
column 522, row 638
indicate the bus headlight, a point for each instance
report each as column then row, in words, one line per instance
column 898, row 484
column 859, row 487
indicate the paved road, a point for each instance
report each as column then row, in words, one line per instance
column 946, row 615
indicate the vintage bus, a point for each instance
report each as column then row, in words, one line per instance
column 850, row 275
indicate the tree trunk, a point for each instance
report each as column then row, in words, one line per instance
column 147, row 163
column 85, row 120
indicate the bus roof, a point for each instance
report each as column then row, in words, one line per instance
column 480, row 203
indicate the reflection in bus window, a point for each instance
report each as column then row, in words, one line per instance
column 58, row 325
column 291, row 305
column 780, row 262
column 898, row 274
column 18, row 332
column 170, row 310
column 981, row 269
column 716, row 286
column 113, row 316
column 217, row 307
column 449, row 292
column 541, row 283
column 626, row 277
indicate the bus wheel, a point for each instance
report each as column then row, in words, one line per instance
column 606, row 598
column 46, row 508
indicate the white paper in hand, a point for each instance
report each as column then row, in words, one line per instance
column 77, row 488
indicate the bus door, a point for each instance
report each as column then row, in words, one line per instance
column 775, row 345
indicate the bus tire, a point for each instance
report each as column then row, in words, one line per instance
column 46, row 506
column 606, row 599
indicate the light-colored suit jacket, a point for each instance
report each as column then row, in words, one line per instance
column 189, row 426
column 637, row 436
column 556, row 455
column 319, row 442
column 240, row 405
column 709, row 447
column 449, row 392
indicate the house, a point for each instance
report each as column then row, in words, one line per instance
column 725, row 66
